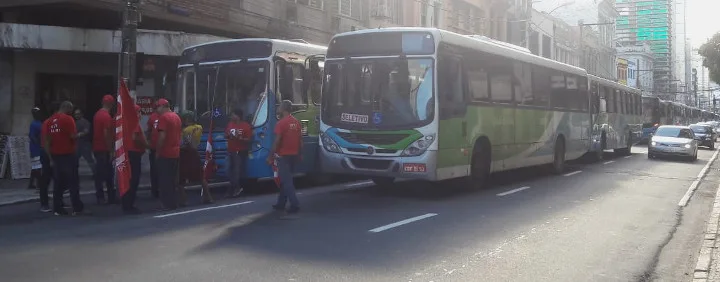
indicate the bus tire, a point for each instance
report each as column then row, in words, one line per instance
column 480, row 165
column 558, row 165
column 383, row 181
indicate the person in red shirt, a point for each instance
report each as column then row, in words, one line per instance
column 238, row 134
column 152, row 133
column 168, row 154
column 135, row 151
column 104, row 151
column 286, row 152
column 60, row 134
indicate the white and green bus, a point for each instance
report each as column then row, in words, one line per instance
column 428, row 104
column 617, row 116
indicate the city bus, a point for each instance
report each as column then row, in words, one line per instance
column 617, row 116
column 253, row 75
column 429, row 104
column 652, row 115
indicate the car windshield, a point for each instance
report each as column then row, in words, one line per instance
column 672, row 132
column 378, row 93
column 700, row 128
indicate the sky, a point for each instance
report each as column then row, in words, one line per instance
column 702, row 20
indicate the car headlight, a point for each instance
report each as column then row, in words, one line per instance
column 419, row 146
column 653, row 143
column 329, row 144
column 687, row 146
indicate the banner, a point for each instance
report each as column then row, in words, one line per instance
column 126, row 121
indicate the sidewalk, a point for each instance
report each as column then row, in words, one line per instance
column 708, row 262
column 16, row 191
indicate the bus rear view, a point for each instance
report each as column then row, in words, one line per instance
column 378, row 105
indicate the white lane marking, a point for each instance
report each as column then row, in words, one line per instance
column 627, row 157
column 359, row 184
column 608, row 162
column 572, row 173
column 513, row 191
column 402, row 222
column 686, row 198
column 202, row 209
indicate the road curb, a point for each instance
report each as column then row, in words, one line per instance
column 710, row 242
column 140, row 188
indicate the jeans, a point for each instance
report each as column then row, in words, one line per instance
column 128, row 200
column 153, row 175
column 286, row 166
column 237, row 161
column 104, row 172
column 167, row 169
column 64, row 178
column 85, row 152
column 46, row 176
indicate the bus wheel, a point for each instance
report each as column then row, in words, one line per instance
column 383, row 181
column 480, row 169
column 559, row 157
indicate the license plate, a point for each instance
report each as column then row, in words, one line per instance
column 414, row 167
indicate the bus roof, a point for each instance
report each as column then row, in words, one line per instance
column 281, row 42
column 613, row 83
column 477, row 43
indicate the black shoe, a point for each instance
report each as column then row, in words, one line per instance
column 293, row 210
column 131, row 211
column 81, row 213
column 278, row 208
column 45, row 209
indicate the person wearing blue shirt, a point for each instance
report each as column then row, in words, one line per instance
column 40, row 163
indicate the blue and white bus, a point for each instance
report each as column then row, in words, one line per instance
column 253, row 74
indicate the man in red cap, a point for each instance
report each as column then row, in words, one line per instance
column 168, row 153
column 135, row 151
column 104, row 151
column 152, row 133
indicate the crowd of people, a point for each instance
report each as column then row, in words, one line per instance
column 57, row 144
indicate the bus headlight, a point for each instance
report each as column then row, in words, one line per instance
column 329, row 144
column 420, row 146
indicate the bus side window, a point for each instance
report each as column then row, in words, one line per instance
column 289, row 84
column 451, row 94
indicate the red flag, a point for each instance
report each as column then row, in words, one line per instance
column 126, row 121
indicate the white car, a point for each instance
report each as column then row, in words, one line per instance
column 672, row 140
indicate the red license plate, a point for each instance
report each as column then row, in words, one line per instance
column 414, row 167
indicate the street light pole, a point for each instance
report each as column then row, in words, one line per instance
column 129, row 45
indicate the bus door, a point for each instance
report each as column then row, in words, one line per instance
column 290, row 85
column 453, row 127
column 312, row 89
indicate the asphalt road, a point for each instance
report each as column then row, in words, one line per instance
column 617, row 220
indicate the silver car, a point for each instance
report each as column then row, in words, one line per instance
column 671, row 140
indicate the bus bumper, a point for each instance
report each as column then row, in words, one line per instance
column 421, row 167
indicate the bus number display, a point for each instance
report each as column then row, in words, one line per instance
column 353, row 118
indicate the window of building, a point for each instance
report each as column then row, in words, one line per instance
column 345, row 7
column 317, row 4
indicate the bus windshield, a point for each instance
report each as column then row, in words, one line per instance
column 388, row 93
column 227, row 87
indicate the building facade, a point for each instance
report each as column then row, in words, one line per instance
column 651, row 22
column 643, row 58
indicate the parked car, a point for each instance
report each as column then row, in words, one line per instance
column 705, row 134
column 673, row 140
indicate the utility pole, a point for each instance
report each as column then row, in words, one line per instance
column 129, row 44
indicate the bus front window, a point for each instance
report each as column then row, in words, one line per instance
column 217, row 90
column 378, row 94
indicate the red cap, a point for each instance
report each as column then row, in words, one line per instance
column 137, row 107
column 162, row 102
column 108, row 99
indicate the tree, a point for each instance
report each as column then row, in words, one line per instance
column 711, row 57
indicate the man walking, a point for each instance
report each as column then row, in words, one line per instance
column 135, row 151
column 237, row 133
column 152, row 132
column 60, row 136
column 84, row 144
column 286, row 151
column 103, row 149
column 168, row 154
column 41, row 170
